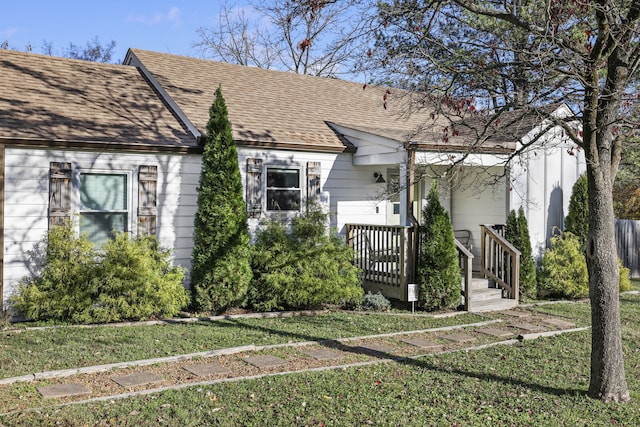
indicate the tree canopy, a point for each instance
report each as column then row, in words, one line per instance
column 486, row 60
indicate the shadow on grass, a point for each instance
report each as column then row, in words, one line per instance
column 417, row 363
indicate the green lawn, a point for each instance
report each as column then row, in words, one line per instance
column 27, row 351
column 539, row 382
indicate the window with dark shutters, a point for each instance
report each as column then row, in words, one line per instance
column 59, row 193
column 147, row 199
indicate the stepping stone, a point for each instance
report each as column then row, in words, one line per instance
column 460, row 338
column 528, row 327
column 495, row 332
column 559, row 323
column 374, row 349
column 323, row 354
column 422, row 343
column 63, row 390
column 138, row 378
column 264, row 361
column 205, row 369
column 515, row 313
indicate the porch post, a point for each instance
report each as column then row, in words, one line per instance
column 411, row 215
column 404, row 194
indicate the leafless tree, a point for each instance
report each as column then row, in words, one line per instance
column 318, row 37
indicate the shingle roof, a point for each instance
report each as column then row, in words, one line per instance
column 44, row 98
column 276, row 108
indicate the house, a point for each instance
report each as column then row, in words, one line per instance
column 71, row 129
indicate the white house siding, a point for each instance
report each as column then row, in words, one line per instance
column 351, row 191
column 479, row 197
column 27, row 194
column 542, row 181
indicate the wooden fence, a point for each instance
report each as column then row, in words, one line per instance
column 628, row 245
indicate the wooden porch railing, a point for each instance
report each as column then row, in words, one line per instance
column 500, row 260
column 386, row 254
column 466, row 261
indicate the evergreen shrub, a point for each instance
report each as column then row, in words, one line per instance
column 221, row 270
column 375, row 302
column 438, row 271
column 304, row 268
column 577, row 220
column 564, row 271
column 128, row 279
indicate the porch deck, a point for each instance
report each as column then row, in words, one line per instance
column 388, row 257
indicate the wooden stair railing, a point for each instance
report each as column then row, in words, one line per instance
column 466, row 261
column 499, row 260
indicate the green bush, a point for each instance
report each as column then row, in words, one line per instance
column 517, row 233
column 221, row 270
column 564, row 271
column 302, row 269
column 577, row 221
column 128, row 279
column 375, row 302
column 438, row 272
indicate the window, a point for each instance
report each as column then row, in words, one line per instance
column 104, row 208
column 283, row 189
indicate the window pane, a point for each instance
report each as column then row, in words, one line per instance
column 284, row 178
column 100, row 227
column 103, row 192
column 283, row 200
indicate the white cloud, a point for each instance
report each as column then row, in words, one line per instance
column 171, row 17
column 8, row 33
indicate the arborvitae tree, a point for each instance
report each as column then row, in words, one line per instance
column 438, row 272
column 577, row 221
column 221, row 271
column 517, row 234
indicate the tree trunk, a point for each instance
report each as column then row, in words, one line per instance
column 608, row 381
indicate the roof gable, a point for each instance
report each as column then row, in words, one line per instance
column 49, row 99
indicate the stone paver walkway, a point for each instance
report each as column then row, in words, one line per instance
column 251, row 362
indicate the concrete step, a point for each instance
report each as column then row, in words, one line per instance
column 486, row 294
column 492, row 305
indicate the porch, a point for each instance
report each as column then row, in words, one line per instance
column 388, row 257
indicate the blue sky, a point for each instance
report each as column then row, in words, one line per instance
column 163, row 26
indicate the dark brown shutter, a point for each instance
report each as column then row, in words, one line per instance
column 313, row 180
column 59, row 193
column 147, row 199
column 254, row 188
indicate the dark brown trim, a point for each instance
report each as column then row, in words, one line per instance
column 101, row 146
column 1, row 225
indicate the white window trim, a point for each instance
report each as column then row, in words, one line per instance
column 300, row 188
column 131, row 209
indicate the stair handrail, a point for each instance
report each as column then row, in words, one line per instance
column 504, row 270
column 466, row 263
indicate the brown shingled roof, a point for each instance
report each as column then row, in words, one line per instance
column 47, row 99
column 274, row 108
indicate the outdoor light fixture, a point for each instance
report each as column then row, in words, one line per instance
column 379, row 178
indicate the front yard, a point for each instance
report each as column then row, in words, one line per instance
column 534, row 382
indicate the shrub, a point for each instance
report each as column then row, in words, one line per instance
column 375, row 302
column 564, row 269
column 128, row 279
column 302, row 269
column 517, row 233
column 438, row 272
column 577, row 221
column 221, row 271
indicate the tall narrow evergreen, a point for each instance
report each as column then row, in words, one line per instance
column 438, row 272
column 577, row 221
column 221, row 271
